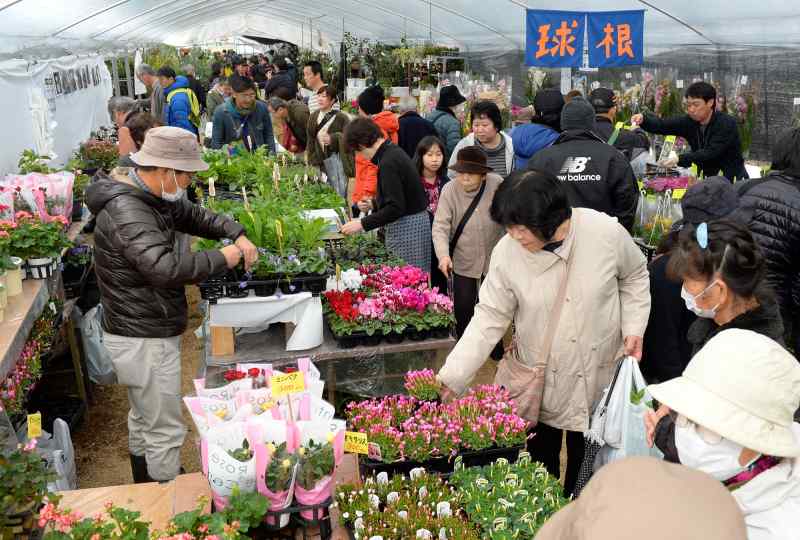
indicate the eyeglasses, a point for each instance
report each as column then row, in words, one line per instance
column 706, row 434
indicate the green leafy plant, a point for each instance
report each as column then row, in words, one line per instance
column 316, row 461
column 24, row 476
column 243, row 453
column 31, row 162
column 34, row 238
column 508, row 500
column 96, row 155
column 280, row 468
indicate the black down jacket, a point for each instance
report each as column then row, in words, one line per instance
column 140, row 271
column 596, row 175
column 770, row 206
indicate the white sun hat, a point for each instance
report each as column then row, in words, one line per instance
column 743, row 386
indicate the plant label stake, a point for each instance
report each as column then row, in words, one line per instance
column 244, row 196
column 276, row 177
column 279, row 234
column 212, row 190
column 338, row 276
column 34, row 425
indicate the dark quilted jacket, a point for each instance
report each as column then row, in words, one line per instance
column 771, row 208
column 140, row 271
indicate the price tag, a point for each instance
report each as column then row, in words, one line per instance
column 212, row 190
column 338, row 273
column 744, row 79
column 244, row 196
column 287, row 383
column 53, row 308
column 797, row 101
column 679, row 83
column 34, row 425
column 629, row 75
column 356, row 443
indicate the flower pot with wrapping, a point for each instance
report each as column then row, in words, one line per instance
column 42, row 267
column 14, row 277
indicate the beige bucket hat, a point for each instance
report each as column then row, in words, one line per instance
column 643, row 497
column 171, row 148
column 743, row 386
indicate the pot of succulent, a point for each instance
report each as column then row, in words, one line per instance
column 24, row 476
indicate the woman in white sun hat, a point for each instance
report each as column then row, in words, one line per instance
column 735, row 403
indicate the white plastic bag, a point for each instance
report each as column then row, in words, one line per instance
column 58, row 453
column 98, row 359
column 624, row 433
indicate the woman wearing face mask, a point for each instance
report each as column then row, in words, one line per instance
column 487, row 125
column 604, row 301
column 723, row 271
column 464, row 233
column 735, row 404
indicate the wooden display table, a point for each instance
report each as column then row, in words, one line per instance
column 339, row 366
column 157, row 502
column 20, row 314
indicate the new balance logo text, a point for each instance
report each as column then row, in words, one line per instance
column 575, row 164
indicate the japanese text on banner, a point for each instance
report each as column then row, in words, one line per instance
column 554, row 38
column 616, row 38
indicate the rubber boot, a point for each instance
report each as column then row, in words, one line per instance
column 139, row 470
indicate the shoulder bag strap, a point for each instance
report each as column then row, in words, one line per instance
column 468, row 214
column 555, row 312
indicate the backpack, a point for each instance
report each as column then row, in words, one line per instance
column 194, row 105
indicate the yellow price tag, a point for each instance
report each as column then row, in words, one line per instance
column 338, row 273
column 34, row 425
column 287, row 383
column 355, row 442
column 678, row 194
column 619, row 125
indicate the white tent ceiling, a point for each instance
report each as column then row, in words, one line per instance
column 469, row 24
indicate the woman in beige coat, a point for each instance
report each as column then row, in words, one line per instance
column 605, row 308
column 467, row 259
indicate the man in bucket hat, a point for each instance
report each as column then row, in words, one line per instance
column 735, row 404
column 142, row 274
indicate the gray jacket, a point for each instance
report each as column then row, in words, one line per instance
column 449, row 129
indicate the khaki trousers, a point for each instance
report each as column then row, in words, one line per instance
column 151, row 369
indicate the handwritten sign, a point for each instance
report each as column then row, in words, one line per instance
column 356, row 443
column 554, row 38
column 616, row 38
column 34, row 425
column 287, row 383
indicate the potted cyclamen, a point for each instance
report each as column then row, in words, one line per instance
column 24, row 477
column 40, row 243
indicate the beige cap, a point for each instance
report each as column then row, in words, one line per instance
column 743, row 386
column 171, row 148
column 643, row 497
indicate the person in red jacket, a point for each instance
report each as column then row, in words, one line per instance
column 370, row 105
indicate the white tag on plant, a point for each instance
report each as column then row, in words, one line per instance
column 797, row 101
column 679, row 83
column 629, row 75
column 744, row 79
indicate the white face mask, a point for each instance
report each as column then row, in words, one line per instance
column 720, row 460
column 179, row 191
column 691, row 303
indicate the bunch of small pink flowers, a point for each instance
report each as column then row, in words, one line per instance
column 422, row 384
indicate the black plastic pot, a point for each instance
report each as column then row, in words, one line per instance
column 440, row 333
column 416, row 335
column 291, row 286
column 265, row 289
column 439, row 465
column 235, row 291
column 315, row 284
column 212, row 290
column 393, row 338
column 373, row 340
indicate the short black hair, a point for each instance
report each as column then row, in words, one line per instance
column 283, row 92
column 731, row 251
column 532, row 198
column 316, row 67
column 490, row 110
column 281, row 63
column 328, row 90
column 216, row 69
column 701, row 90
column 361, row 133
column 166, row 71
column 241, row 84
column 423, row 148
column 786, row 152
